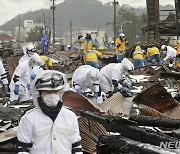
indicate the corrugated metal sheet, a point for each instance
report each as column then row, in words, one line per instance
column 155, row 101
column 90, row 131
column 115, row 105
column 157, row 98
column 150, row 111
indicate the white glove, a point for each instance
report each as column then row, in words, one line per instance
column 99, row 100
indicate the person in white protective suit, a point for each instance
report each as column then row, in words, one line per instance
column 85, row 77
column 20, row 81
column 112, row 77
column 28, row 50
column 49, row 128
column 4, row 80
column 170, row 54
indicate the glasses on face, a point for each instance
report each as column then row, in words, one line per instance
column 44, row 93
column 94, row 78
column 53, row 81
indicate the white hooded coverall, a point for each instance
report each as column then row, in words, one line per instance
column 21, row 77
column 81, row 80
column 113, row 71
column 170, row 53
column 3, row 74
column 25, row 56
column 47, row 137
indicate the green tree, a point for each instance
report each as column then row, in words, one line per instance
column 35, row 34
column 131, row 30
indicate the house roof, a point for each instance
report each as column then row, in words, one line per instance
column 5, row 37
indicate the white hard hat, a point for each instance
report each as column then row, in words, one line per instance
column 148, row 49
column 88, row 32
column 121, row 35
column 163, row 47
column 50, row 80
column 93, row 74
column 127, row 64
column 31, row 47
column 112, row 42
column 36, row 59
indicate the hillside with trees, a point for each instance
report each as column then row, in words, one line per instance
column 85, row 14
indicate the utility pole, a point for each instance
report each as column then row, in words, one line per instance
column 49, row 29
column 114, row 4
column 53, row 9
column 71, row 33
column 19, row 30
column 44, row 28
column 177, row 25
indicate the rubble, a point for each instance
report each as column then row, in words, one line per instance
column 116, row 123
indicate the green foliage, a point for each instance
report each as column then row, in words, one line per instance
column 35, row 34
column 131, row 30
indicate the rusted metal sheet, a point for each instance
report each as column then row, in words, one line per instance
column 90, row 131
column 157, row 98
column 76, row 101
column 173, row 112
column 150, row 111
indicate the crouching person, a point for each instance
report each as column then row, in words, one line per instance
column 86, row 77
column 50, row 128
column 112, row 78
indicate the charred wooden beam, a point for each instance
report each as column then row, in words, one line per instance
column 174, row 75
column 140, row 134
column 120, row 144
column 155, row 121
column 165, row 68
column 94, row 117
column 104, row 119
column 130, row 131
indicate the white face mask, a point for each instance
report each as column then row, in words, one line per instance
column 51, row 100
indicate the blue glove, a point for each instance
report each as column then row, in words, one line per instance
column 6, row 88
column 16, row 89
column 95, row 94
column 125, row 89
column 33, row 76
column 28, row 86
column 161, row 62
column 79, row 91
column 126, row 84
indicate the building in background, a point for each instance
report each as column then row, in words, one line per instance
column 98, row 34
column 21, row 32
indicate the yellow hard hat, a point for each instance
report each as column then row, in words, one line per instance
column 138, row 47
